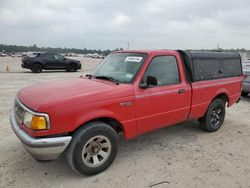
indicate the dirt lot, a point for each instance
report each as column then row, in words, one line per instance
column 178, row 156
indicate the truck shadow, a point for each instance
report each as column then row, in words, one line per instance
column 162, row 139
column 246, row 98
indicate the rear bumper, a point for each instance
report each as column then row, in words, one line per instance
column 246, row 87
column 41, row 149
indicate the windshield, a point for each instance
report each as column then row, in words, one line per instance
column 121, row 67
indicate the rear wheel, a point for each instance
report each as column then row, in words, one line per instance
column 214, row 116
column 244, row 94
column 92, row 149
column 36, row 68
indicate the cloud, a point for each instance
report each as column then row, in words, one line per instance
column 147, row 24
column 120, row 19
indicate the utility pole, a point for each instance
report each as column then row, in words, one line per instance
column 128, row 45
column 218, row 46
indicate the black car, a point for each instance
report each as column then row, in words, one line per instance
column 50, row 61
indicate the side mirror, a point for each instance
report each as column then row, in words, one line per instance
column 151, row 81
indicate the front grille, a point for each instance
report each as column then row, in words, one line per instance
column 19, row 112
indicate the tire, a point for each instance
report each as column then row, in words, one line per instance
column 93, row 148
column 244, row 94
column 72, row 68
column 214, row 117
column 36, row 68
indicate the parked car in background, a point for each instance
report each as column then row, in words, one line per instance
column 246, row 64
column 246, row 83
column 16, row 55
column 95, row 55
column 129, row 92
column 89, row 55
column 2, row 54
column 98, row 56
column 49, row 61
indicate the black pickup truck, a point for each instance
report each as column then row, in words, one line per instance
column 50, row 61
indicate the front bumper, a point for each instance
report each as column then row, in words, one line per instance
column 246, row 87
column 79, row 66
column 42, row 149
column 23, row 65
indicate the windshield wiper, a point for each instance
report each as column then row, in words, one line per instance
column 107, row 78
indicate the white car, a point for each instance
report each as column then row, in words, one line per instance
column 2, row 54
column 246, row 64
column 246, row 82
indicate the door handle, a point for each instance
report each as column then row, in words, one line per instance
column 181, row 91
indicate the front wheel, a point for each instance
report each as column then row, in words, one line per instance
column 214, row 116
column 92, row 149
column 36, row 68
column 72, row 68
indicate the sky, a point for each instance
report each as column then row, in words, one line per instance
column 110, row 24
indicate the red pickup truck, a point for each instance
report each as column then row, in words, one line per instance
column 129, row 92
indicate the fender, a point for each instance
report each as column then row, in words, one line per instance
column 221, row 91
column 129, row 127
column 89, row 116
column 42, row 63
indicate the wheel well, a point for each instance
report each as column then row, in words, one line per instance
column 38, row 63
column 222, row 96
column 115, row 124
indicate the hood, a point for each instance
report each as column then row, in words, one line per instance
column 71, row 92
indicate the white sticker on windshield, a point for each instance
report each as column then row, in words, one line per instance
column 129, row 75
column 133, row 58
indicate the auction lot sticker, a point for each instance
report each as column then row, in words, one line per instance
column 133, row 58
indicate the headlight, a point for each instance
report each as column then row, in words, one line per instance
column 27, row 119
column 34, row 122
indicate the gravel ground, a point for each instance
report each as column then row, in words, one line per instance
column 177, row 156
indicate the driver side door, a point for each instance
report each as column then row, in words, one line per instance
column 50, row 61
column 60, row 61
column 165, row 103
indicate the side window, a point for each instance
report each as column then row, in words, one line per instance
column 58, row 57
column 41, row 56
column 164, row 69
column 47, row 56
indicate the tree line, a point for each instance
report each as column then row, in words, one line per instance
column 34, row 48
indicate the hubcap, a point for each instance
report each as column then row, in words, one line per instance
column 96, row 151
column 216, row 116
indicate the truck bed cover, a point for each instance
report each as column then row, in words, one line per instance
column 208, row 65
